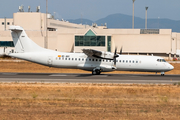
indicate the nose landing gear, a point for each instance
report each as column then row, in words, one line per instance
column 162, row 73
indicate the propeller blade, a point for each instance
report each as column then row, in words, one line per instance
column 114, row 61
column 115, row 56
column 121, row 51
column 115, row 51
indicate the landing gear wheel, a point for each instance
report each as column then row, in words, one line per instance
column 162, row 73
column 93, row 72
column 96, row 72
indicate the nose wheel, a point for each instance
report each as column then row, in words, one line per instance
column 162, row 73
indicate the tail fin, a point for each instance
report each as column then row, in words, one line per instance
column 22, row 42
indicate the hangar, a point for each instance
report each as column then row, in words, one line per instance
column 64, row 36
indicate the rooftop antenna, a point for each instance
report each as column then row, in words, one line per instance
column 29, row 8
column 22, row 8
column 19, row 8
column 38, row 9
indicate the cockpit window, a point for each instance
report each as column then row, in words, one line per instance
column 161, row 60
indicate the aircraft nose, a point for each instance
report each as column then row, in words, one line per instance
column 171, row 67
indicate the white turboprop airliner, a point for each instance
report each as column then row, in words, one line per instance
column 90, row 60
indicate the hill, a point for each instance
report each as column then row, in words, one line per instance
column 125, row 21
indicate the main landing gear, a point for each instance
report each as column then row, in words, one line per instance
column 96, row 72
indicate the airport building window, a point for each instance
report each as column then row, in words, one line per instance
column 6, row 44
column 109, row 44
column 89, row 40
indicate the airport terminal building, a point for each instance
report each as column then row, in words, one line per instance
column 69, row 37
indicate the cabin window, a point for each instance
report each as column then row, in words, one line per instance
column 75, row 58
column 82, row 59
column 72, row 58
column 92, row 59
column 123, row 61
column 89, row 59
column 126, row 61
column 79, row 59
column 133, row 61
column 96, row 59
column 130, row 61
column 136, row 61
column 100, row 60
column 106, row 60
column 119, row 60
column 116, row 60
column 69, row 58
column 65, row 58
column 59, row 58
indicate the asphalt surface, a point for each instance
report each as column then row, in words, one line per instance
column 88, row 78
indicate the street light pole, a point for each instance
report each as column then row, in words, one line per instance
column 46, row 40
column 133, row 15
column 146, row 18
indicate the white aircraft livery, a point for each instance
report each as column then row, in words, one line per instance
column 89, row 60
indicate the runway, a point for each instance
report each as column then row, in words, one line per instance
column 88, row 78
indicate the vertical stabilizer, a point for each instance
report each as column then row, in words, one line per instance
column 22, row 42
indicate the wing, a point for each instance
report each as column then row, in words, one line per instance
column 97, row 54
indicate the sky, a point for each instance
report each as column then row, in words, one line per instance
column 95, row 9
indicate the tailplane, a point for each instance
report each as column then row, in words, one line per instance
column 22, row 42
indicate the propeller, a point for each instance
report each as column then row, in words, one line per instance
column 116, row 55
